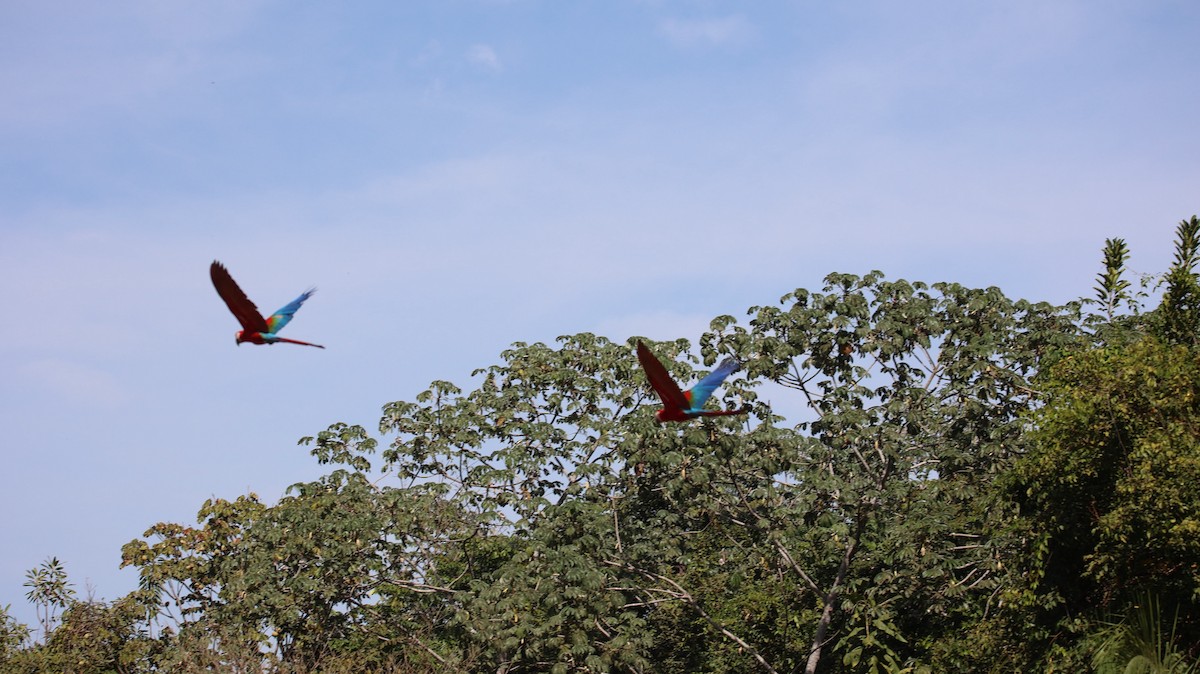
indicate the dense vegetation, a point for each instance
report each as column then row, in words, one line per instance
column 978, row 484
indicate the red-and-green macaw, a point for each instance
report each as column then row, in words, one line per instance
column 255, row 328
column 679, row 405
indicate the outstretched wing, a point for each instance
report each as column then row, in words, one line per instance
column 284, row 316
column 241, row 306
column 699, row 394
column 672, row 397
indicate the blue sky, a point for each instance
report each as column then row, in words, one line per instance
column 457, row 175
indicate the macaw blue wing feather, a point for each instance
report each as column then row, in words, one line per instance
column 699, row 394
column 284, row 316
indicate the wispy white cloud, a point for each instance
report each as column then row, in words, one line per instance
column 485, row 57
column 430, row 53
column 733, row 29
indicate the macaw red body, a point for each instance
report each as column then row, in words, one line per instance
column 680, row 405
column 255, row 328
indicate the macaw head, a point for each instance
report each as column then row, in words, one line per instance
column 237, row 337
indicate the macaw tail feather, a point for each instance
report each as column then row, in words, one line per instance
column 725, row 413
column 296, row 341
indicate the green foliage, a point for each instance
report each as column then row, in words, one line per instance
column 49, row 591
column 323, row 570
column 1115, row 476
column 1179, row 315
column 1111, row 486
column 1111, row 289
column 84, row 637
column 1140, row 645
column 631, row 532
column 918, row 392
column 13, row 634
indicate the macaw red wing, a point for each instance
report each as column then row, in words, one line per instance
column 672, row 396
column 241, row 306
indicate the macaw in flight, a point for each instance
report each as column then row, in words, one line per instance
column 681, row 405
column 255, row 328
